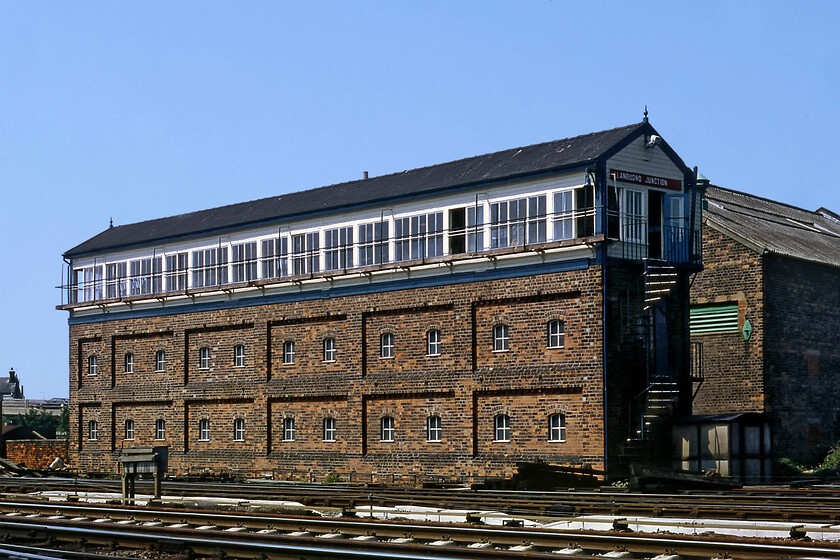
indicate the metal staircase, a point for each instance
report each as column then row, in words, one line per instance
column 661, row 394
column 659, row 278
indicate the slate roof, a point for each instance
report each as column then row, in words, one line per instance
column 772, row 226
column 505, row 165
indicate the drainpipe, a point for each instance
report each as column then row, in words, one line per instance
column 600, row 177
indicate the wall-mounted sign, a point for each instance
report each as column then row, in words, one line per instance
column 647, row 180
column 747, row 330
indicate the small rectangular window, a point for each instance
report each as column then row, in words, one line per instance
column 329, row 350
column 239, row 429
column 434, row 432
column 129, row 429
column 288, row 429
column 386, row 345
column 204, row 429
column 557, row 427
column 556, row 334
column 433, row 343
column 500, row 338
column 502, row 427
column 129, row 363
column 204, row 358
column 329, row 429
column 93, row 430
column 387, row 428
column 92, row 364
column 289, row 352
column 160, row 429
column 160, row 361
column 239, row 355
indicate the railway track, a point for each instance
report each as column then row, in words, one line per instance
column 776, row 504
column 250, row 535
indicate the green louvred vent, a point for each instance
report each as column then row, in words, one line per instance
column 707, row 319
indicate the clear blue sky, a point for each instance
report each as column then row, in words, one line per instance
column 139, row 110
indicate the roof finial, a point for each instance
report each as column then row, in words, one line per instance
column 112, row 221
column 646, row 113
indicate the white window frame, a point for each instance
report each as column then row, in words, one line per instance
column 387, row 429
column 433, row 343
column 386, row 346
column 204, row 357
column 129, row 430
column 501, row 427
column 288, row 352
column 204, row 429
column 434, row 429
column 501, row 338
column 244, row 261
column 160, row 429
column 288, row 429
column 93, row 364
column 239, row 355
column 306, row 252
column 93, row 430
column 633, row 216
column 556, row 333
column 330, row 430
column 177, row 270
column 160, row 361
column 238, row 429
column 557, row 427
column 564, row 214
column 338, row 248
column 274, row 257
column 128, row 362
column 115, row 280
column 419, row 236
column 329, row 349
column 520, row 230
column 373, row 246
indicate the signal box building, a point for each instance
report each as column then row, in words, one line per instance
column 448, row 321
column 765, row 322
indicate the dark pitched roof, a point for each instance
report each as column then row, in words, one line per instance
column 775, row 227
column 507, row 164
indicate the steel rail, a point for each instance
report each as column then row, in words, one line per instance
column 820, row 507
column 300, row 527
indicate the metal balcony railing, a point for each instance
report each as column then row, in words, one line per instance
column 105, row 282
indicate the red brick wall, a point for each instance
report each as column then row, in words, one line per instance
column 36, row 453
column 466, row 385
column 732, row 366
column 802, row 353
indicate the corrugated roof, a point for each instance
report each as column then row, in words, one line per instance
column 775, row 227
column 507, row 164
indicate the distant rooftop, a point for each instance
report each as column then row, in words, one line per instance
column 505, row 165
column 775, row 227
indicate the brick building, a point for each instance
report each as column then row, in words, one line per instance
column 765, row 319
column 529, row 304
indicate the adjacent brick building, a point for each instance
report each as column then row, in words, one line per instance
column 448, row 321
column 766, row 319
